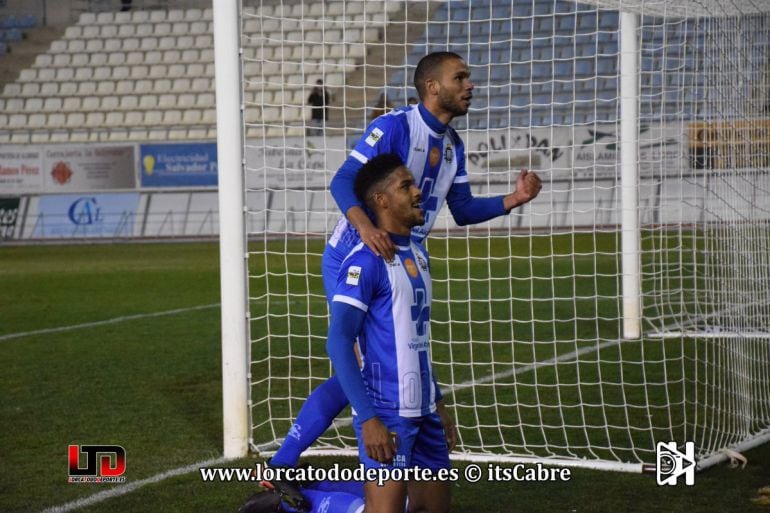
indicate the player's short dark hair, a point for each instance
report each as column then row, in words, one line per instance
column 373, row 173
column 427, row 67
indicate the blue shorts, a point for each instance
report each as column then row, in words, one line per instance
column 420, row 441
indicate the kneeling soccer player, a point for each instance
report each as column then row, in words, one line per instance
column 386, row 307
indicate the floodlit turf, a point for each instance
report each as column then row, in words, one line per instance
column 152, row 385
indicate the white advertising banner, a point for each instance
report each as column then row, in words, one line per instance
column 20, row 169
column 88, row 168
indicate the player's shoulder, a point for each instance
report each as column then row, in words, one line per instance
column 363, row 257
column 396, row 118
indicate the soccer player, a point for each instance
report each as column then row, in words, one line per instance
column 421, row 136
column 384, row 307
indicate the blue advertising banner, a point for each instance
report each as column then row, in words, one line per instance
column 178, row 165
column 87, row 215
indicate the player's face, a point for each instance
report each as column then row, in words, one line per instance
column 455, row 87
column 404, row 199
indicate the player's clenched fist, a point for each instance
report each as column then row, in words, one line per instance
column 528, row 186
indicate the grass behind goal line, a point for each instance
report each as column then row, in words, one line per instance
column 153, row 386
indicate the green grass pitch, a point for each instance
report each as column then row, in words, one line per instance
column 151, row 383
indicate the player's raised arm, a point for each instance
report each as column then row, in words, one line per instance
column 528, row 186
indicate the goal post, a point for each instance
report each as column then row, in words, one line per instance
column 629, row 304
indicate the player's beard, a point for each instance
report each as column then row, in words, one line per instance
column 451, row 104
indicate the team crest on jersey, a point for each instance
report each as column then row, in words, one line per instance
column 354, row 273
column 410, row 267
column 435, row 156
column 449, row 153
column 375, row 136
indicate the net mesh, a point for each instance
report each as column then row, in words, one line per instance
column 526, row 327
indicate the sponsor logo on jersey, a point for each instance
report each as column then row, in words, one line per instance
column 374, row 136
column 411, row 268
column 354, row 274
column 449, row 153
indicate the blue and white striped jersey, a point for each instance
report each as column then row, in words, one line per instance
column 433, row 152
column 394, row 342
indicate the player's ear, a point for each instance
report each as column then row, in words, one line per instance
column 431, row 85
column 379, row 199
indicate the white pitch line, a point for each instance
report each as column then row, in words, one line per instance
column 114, row 320
column 130, row 487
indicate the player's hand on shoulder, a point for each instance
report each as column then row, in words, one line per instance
column 378, row 241
column 378, row 441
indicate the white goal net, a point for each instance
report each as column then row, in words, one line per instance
column 528, row 318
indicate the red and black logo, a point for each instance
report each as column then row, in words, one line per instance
column 103, row 463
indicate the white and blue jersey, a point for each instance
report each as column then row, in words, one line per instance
column 394, row 339
column 433, row 152
column 435, row 155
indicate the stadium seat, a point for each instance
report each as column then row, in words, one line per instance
column 123, row 18
column 98, row 59
column 205, row 100
column 94, row 119
column 57, row 119
column 73, row 32
column 185, row 101
column 163, row 85
column 30, row 89
column 48, row 89
column 105, row 17
column 180, row 28
column 87, row 88
column 181, row 85
column 162, row 29
column 75, row 120
column 71, row 104
column 110, row 103
column 157, row 16
column 129, row 102
column 145, row 29
column 87, row 18
column 139, row 72
column 126, row 30
column 148, row 43
column 140, row 17
column 192, row 117
column 148, row 101
column 169, row 43
column 108, row 31
column 61, row 88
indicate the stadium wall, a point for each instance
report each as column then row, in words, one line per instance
column 128, row 190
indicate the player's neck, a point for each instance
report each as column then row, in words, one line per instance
column 436, row 118
column 397, row 229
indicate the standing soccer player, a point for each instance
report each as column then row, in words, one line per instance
column 421, row 136
column 384, row 306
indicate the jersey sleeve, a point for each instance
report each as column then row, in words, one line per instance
column 386, row 134
column 345, row 325
column 357, row 285
column 359, row 280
